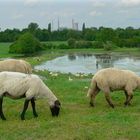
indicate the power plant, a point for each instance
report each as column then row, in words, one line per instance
column 74, row 25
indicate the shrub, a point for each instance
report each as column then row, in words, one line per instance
column 63, row 46
column 53, row 46
column 71, row 42
column 97, row 44
column 49, row 46
column 109, row 46
column 26, row 44
column 83, row 44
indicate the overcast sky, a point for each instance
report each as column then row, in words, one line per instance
column 95, row 13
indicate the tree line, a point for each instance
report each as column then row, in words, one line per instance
column 128, row 37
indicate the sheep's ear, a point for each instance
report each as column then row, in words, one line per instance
column 57, row 103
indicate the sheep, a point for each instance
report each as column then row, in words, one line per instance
column 111, row 79
column 15, row 66
column 19, row 85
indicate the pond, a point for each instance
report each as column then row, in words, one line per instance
column 91, row 63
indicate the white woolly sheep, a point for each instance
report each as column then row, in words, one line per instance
column 112, row 79
column 15, row 66
column 19, row 85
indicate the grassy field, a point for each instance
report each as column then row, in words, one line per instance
column 4, row 47
column 77, row 121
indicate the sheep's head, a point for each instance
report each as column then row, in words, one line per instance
column 55, row 108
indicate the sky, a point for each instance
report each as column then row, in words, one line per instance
column 94, row 13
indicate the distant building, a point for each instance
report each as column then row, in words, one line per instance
column 74, row 25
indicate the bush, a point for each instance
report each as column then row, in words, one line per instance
column 63, row 46
column 71, row 42
column 49, row 46
column 83, row 44
column 52, row 46
column 109, row 46
column 26, row 44
column 97, row 44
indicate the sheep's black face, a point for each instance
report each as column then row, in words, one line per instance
column 55, row 109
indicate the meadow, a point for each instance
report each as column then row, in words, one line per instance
column 77, row 120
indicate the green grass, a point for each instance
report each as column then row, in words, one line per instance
column 4, row 51
column 4, row 47
column 77, row 121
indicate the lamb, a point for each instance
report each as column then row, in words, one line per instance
column 19, row 85
column 15, row 66
column 111, row 79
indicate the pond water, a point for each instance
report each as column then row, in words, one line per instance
column 91, row 63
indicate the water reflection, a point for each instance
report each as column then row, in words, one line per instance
column 71, row 57
column 104, row 60
column 91, row 63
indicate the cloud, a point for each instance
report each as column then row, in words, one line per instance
column 123, row 11
column 64, row 14
column 44, row 14
column 17, row 16
column 130, row 3
column 98, row 3
column 31, row 2
column 95, row 13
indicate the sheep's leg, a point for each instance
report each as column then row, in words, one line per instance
column 92, row 97
column 33, row 107
column 1, row 111
column 108, row 99
column 130, row 96
column 26, row 103
column 125, row 103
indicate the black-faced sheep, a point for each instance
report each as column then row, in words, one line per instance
column 112, row 79
column 15, row 66
column 18, row 85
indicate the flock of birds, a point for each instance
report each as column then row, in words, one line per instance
column 53, row 74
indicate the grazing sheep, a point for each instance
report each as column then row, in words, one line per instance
column 111, row 79
column 15, row 66
column 19, row 85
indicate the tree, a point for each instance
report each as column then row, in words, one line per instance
column 32, row 27
column 49, row 27
column 74, row 34
column 26, row 44
column 90, row 34
column 42, row 35
column 106, row 34
column 83, row 29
